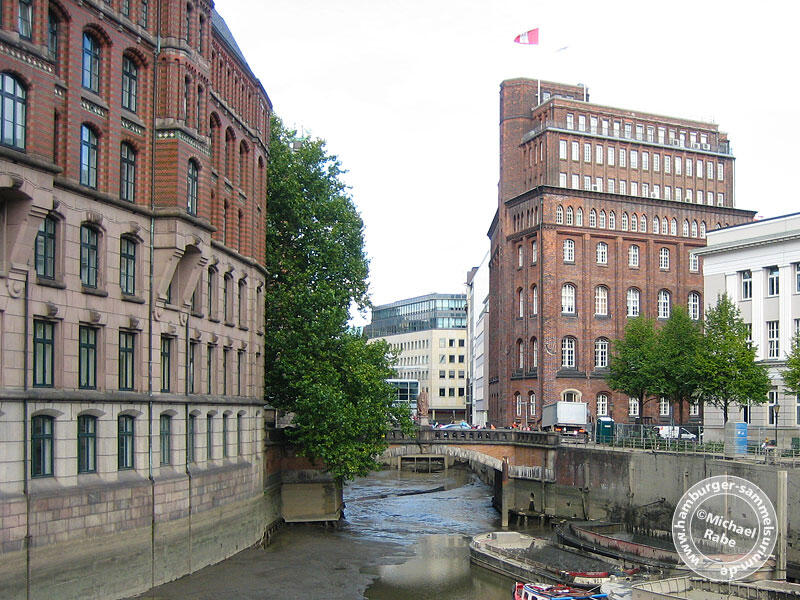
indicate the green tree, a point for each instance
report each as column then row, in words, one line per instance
column 631, row 369
column 729, row 373
column 327, row 375
column 791, row 375
column 677, row 345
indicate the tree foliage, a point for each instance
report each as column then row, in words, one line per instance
column 729, row 373
column 677, row 346
column 316, row 368
column 632, row 366
column 791, row 375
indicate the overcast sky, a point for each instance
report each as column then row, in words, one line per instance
column 406, row 94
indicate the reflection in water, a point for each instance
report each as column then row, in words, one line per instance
column 434, row 529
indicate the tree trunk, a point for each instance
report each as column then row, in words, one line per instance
column 724, row 413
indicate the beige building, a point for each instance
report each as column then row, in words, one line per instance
column 429, row 334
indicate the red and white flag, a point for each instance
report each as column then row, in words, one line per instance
column 529, row 37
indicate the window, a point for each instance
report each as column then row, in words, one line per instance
column 241, row 304
column 87, row 357
column 224, row 435
column 703, row 229
column 673, row 226
column 689, row 167
column 126, row 357
column 797, row 277
column 663, row 304
column 694, row 306
column 87, row 444
column 518, row 403
column 633, row 302
column 634, row 159
column 601, row 253
column 45, row 249
column 188, row 30
column 209, row 368
column 13, row 108
column 569, row 215
column 239, row 363
column 191, row 188
column 192, row 360
column 611, row 154
column 209, row 436
column 125, row 8
column 694, row 262
column 622, row 157
column 602, row 405
column 52, row 36
column 633, row 407
column 643, row 223
column 127, row 173
column 575, row 182
column 602, row 221
column 581, row 122
column 611, row 186
column 612, row 220
column 773, row 342
column 43, row 353
column 700, row 197
column 570, row 121
column 598, row 154
column 574, row 151
column 656, row 225
column 521, row 303
column 709, row 170
column 534, row 300
column 227, row 297
column 125, row 437
column 562, row 179
column 166, row 360
column 601, row 353
column 531, row 404
column 88, row 157
column 645, row 161
column 592, row 218
column 568, row 298
column 569, row 251
column 130, row 74
column 694, row 228
column 562, row 149
column 773, row 403
column 579, row 217
column 239, row 433
column 633, row 255
column 225, row 353
column 165, row 439
column 601, row 300
column 535, row 254
column 534, row 353
column 663, row 407
column 25, row 19
column 634, row 222
column 656, row 161
column 520, row 355
column 143, row 13
column 89, row 256
column 127, row 265
column 624, row 222
column 42, row 446
column 587, row 153
column 773, row 281
column 559, row 215
column 91, row 63
column 663, row 259
column 568, row 353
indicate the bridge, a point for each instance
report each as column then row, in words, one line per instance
column 537, row 472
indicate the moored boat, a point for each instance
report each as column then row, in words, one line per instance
column 543, row 591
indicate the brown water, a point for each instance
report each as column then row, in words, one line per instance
column 391, row 545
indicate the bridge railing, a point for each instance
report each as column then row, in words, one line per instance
column 503, row 436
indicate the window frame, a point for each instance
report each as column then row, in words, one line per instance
column 90, row 256
column 568, row 299
column 165, row 439
column 87, row 444
column 45, row 249
column 43, row 353
column 127, row 265
column 87, row 357
column 17, row 97
column 126, row 437
column 127, row 361
column 91, row 62
column 89, row 156
column 130, row 83
column 192, row 182
column 127, row 172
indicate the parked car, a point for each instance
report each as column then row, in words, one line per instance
column 674, row 432
column 461, row 425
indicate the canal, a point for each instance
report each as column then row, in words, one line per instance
column 404, row 536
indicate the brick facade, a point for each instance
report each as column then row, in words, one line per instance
column 556, row 206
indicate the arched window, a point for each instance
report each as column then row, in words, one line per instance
column 612, row 220
column 694, row 229
column 520, row 256
column 241, row 303
column 601, row 353
column 568, row 298
column 602, row 222
column 88, row 157
column 685, row 228
column 531, row 404
column 624, row 221
column 656, row 225
column 694, row 306
column 520, row 355
column 53, row 27
column 521, row 303
column 569, row 251
column 127, row 172
column 130, row 78
column 664, row 226
column 601, row 301
column 703, row 229
column 188, row 29
column 518, row 403
column 632, row 301
column 13, row 108
column 643, row 223
column 559, row 215
column 663, row 259
column 633, row 255
column 90, row 78
column 534, row 353
column 663, row 304
column 602, row 405
column 243, row 161
column 191, row 188
column 634, row 222
column 579, row 217
column 569, row 215
column 673, row 227
column 592, row 218
column 601, row 253
column 568, row 353
column 534, row 300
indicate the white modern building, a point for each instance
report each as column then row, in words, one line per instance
column 758, row 265
column 477, row 338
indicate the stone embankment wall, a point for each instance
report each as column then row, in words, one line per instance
column 119, row 539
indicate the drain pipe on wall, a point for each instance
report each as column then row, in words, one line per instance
column 25, row 490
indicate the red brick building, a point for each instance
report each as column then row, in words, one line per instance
column 599, row 209
column 133, row 149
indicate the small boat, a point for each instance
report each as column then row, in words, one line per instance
column 543, row 591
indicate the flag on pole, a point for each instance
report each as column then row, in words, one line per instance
column 529, row 37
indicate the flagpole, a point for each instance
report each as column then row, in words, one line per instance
column 539, row 91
